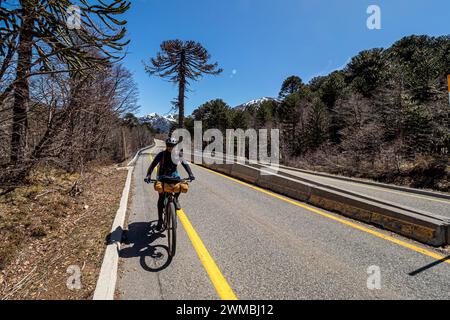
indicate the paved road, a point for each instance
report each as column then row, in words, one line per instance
column 438, row 206
column 269, row 247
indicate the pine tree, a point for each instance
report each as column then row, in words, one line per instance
column 291, row 85
column 181, row 61
column 367, row 71
column 317, row 125
column 213, row 114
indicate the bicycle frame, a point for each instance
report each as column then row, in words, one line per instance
column 169, row 218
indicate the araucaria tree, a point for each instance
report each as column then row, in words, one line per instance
column 46, row 41
column 291, row 85
column 181, row 61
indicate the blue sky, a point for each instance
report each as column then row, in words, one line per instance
column 259, row 43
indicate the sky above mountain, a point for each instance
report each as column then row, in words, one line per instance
column 261, row 42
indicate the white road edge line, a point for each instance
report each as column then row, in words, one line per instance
column 106, row 283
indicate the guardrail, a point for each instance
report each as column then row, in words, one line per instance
column 357, row 194
column 372, row 183
column 349, row 179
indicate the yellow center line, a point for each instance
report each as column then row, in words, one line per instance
column 218, row 280
column 404, row 244
column 215, row 275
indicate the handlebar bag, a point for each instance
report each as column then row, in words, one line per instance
column 184, row 187
column 161, row 187
column 158, row 187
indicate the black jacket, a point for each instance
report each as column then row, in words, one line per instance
column 166, row 164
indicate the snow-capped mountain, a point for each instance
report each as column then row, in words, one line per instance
column 255, row 102
column 161, row 123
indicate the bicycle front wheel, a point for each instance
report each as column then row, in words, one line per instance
column 171, row 228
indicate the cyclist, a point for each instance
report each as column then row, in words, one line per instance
column 168, row 168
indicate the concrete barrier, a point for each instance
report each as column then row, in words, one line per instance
column 223, row 168
column 425, row 229
column 420, row 226
column 245, row 173
column 286, row 186
column 358, row 195
column 371, row 183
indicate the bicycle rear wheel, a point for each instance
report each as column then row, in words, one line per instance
column 171, row 228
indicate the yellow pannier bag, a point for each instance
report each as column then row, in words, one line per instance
column 158, row 187
column 171, row 187
column 184, row 187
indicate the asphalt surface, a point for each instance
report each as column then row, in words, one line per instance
column 426, row 203
column 268, row 248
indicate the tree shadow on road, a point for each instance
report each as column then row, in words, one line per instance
column 140, row 240
column 429, row 266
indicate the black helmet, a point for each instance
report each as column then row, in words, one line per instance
column 171, row 142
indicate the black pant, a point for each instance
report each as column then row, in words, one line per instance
column 161, row 204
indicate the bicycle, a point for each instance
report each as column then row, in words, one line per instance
column 169, row 213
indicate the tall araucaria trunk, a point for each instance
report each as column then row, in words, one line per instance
column 22, row 91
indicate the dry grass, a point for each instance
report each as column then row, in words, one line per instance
column 45, row 228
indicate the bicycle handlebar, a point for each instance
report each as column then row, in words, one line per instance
column 155, row 180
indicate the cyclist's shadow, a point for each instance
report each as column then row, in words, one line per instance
column 139, row 240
